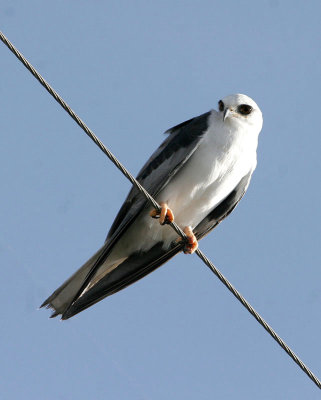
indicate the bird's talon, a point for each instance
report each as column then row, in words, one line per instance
column 169, row 217
column 165, row 216
column 154, row 214
column 191, row 243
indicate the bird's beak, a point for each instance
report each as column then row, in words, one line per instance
column 226, row 113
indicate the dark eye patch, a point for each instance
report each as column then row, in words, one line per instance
column 244, row 109
column 221, row 105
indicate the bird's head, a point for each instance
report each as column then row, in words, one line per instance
column 241, row 109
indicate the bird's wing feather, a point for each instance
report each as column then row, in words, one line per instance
column 132, row 269
column 166, row 161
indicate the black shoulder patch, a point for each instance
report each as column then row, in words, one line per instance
column 181, row 136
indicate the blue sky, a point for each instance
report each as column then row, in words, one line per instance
column 131, row 70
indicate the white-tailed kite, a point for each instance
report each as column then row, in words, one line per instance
column 198, row 175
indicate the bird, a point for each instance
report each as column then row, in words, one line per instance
column 198, row 175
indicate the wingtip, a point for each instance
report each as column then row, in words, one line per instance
column 44, row 304
column 67, row 314
column 54, row 314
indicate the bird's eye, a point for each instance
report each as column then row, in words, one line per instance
column 221, row 105
column 244, row 109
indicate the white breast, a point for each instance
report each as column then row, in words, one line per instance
column 223, row 158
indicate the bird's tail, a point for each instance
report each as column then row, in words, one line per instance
column 112, row 275
column 61, row 298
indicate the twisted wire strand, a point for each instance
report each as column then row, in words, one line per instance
column 152, row 201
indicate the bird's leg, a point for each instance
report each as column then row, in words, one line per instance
column 191, row 244
column 165, row 216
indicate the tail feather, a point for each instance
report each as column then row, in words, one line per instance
column 61, row 298
column 132, row 269
column 111, row 277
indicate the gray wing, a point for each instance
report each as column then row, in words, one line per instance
column 165, row 162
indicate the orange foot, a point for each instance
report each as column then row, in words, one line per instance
column 166, row 215
column 191, row 245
